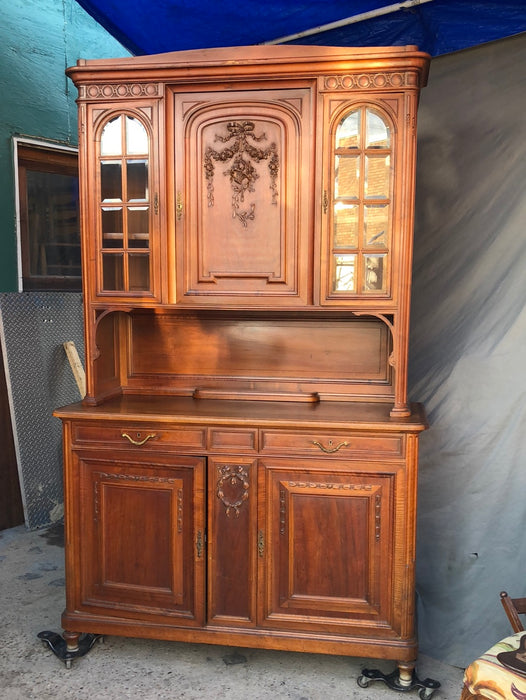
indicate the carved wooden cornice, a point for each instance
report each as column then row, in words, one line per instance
column 118, row 91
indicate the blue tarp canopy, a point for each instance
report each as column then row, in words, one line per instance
column 435, row 26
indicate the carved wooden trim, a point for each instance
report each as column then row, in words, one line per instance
column 238, row 477
column 378, row 516
column 328, row 485
column 242, row 173
column 367, row 81
column 138, row 477
column 118, row 91
column 282, row 511
column 179, row 510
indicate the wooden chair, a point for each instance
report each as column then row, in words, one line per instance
column 500, row 673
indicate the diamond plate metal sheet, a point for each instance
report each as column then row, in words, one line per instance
column 34, row 326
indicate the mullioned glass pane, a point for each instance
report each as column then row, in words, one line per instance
column 136, row 137
column 138, row 226
column 113, row 272
column 374, row 278
column 377, row 177
column 139, row 272
column 344, row 273
column 348, row 131
column 377, row 133
column 345, row 225
column 112, row 227
column 137, row 178
column 376, row 224
column 111, row 138
column 111, row 181
column 346, row 177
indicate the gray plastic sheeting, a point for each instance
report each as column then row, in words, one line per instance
column 468, row 347
column 34, row 326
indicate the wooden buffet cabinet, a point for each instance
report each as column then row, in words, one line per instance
column 243, row 468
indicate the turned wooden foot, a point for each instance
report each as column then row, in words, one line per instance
column 72, row 640
column 406, row 670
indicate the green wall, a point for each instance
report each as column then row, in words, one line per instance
column 38, row 40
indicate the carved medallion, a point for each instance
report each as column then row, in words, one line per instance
column 241, row 154
column 232, row 487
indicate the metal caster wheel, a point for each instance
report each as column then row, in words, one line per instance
column 392, row 680
column 362, row 681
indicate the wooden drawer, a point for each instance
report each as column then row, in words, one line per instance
column 228, row 440
column 144, row 437
column 338, row 444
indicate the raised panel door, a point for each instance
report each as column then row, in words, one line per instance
column 328, row 534
column 141, row 522
column 242, row 209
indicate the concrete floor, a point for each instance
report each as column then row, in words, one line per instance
column 32, row 599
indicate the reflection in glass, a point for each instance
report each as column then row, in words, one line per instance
column 346, row 176
column 376, row 221
column 53, row 224
column 345, row 273
column 111, row 181
column 348, row 131
column 112, row 272
column 139, row 269
column 377, row 177
column 345, row 225
column 138, row 227
column 377, row 131
column 111, row 138
column 374, row 273
column 137, row 175
column 136, row 137
column 112, row 227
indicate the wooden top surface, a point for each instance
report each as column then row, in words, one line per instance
column 283, row 414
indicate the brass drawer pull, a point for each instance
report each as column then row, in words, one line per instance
column 330, row 449
column 138, row 443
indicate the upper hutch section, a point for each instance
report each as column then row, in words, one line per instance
column 247, row 219
column 257, row 176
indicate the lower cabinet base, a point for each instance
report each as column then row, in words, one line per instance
column 376, row 648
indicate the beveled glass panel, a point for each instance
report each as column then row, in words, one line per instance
column 344, row 273
column 139, row 272
column 376, row 224
column 113, row 272
column 138, row 226
column 377, row 132
column 112, row 227
column 111, row 138
column 377, row 177
column 136, row 137
column 373, row 273
column 348, row 131
column 111, row 181
column 346, row 176
column 137, row 176
column 345, row 225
